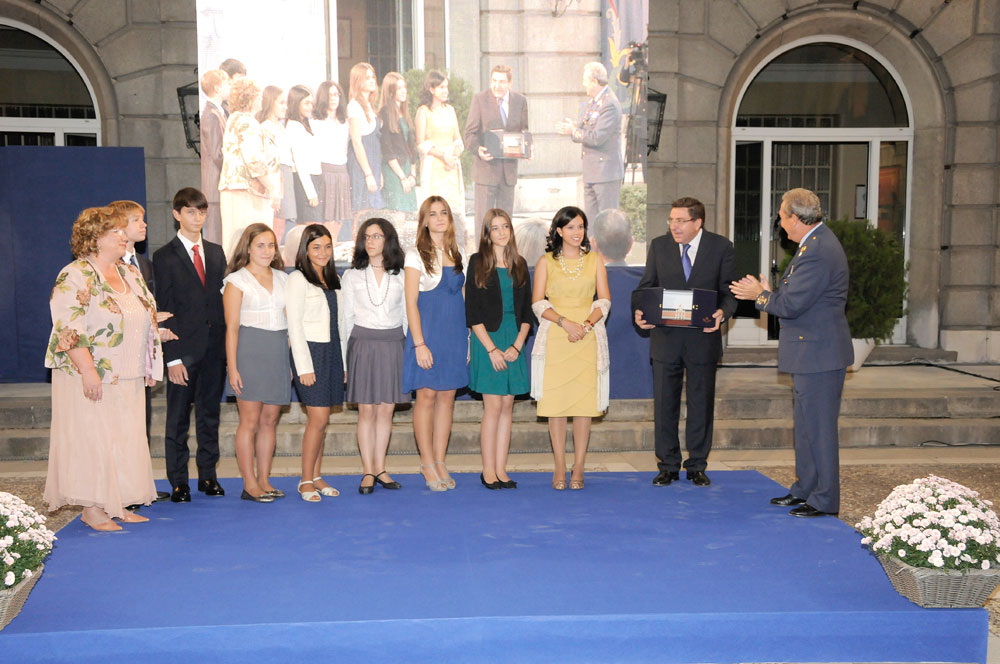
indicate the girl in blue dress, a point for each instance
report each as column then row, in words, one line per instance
column 434, row 360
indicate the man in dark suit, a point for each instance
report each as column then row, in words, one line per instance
column 814, row 345
column 499, row 107
column 599, row 129
column 135, row 231
column 189, row 273
column 690, row 257
column 215, row 85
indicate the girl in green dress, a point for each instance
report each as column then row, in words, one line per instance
column 498, row 310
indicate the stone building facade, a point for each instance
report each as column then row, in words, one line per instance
column 945, row 54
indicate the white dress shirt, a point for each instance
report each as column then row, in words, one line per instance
column 366, row 302
column 692, row 247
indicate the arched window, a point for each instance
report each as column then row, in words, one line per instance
column 43, row 99
column 827, row 114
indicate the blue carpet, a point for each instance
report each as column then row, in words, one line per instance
column 621, row 571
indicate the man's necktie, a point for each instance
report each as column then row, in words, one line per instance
column 134, row 261
column 686, row 262
column 199, row 266
column 503, row 113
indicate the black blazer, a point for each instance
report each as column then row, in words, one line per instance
column 714, row 269
column 198, row 319
column 485, row 305
column 146, row 268
column 394, row 146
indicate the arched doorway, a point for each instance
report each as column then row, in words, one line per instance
column 828, row 114
column 44, row 99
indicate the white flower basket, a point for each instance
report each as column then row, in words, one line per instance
column 12, row 599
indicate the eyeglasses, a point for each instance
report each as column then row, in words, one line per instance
column 119, row 232
column 676, row 222
column 378, row 237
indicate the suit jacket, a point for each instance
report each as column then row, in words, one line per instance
column 198, row 319
column 484, row 116
column 714, row 269
column 600, row 127
column 213, row 126
column 810, row 303
column 146, row 268
column 485, row 305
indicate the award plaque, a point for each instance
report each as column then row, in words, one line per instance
column 676, row 308
column 507, row 144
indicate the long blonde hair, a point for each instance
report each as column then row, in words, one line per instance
column 357, row 78
column 394, row 109
column 424, row 244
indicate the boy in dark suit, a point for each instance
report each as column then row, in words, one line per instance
column 135, row 231
column 690, row 257
column 189, row 273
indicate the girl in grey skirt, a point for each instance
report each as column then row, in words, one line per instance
column 253, row 297
column 374, row 318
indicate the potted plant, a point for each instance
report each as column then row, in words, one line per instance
column 938, row 541
column 877, row 290
column 24, row 544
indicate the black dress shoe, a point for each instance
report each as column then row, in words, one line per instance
column 211, row 487
column 262, row 498
column 809, row 511
column 392, row 484
column 132, row 508
column 787, row 501
column 698, row 478
column 161, row 496
column 492, row 486
column 509, row 484
column 181, row 494
column 365, row 490
column 665, row 477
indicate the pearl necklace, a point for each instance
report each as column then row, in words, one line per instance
column 385, row 295
column 571, row 274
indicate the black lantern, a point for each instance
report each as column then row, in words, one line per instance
column 656, row 102
column 187, row 97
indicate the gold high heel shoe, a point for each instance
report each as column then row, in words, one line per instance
column 435, row 484
column 575, row 484
column 559, row 482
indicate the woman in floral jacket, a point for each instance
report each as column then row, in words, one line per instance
column 104, row 348
column 250, row 182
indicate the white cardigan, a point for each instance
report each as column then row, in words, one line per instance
column 308, row 319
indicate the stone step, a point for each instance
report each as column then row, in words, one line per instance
column 606, row 436
column 776, row 403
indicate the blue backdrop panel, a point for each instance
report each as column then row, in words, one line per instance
column 42, row 190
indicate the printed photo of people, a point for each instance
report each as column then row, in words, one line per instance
column 338, row 111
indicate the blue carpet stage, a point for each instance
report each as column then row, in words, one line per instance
column 622, row 571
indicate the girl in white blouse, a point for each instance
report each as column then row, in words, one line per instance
column 305, row 155
column 317, row 364
column 253, row 297
column 374, row 321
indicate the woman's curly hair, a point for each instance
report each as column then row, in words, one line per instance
column 90, row 225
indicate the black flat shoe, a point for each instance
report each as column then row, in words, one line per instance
column 162, row 496
column 787, row 501
column 665, row 477
column 698, row 478
column 493, row 486
column 262, row 498
column 808, row 511
column 365, row 490
column 509, row 484
column 392, row 484
column 211, row 487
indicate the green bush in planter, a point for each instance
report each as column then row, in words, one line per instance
column 878, row 278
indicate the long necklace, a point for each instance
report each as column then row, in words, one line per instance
column 571, row 273
column 385, row 295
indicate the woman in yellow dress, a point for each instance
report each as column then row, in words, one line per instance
column 439, row 141
column 569, row 363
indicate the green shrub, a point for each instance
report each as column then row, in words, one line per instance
column 632, row 201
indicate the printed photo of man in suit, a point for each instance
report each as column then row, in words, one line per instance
column 599, row 130
column 189, row 272
column 690, row 257
column 215, row 85
column 499, row 107
column 814, row 345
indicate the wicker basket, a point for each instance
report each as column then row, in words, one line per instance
column 939, row 588
column 12, row 599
